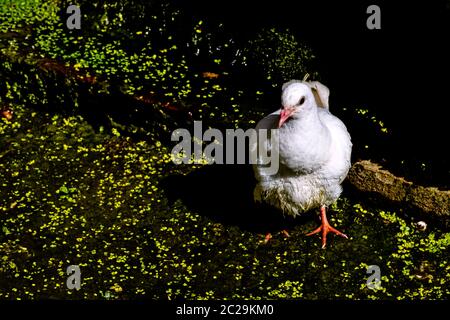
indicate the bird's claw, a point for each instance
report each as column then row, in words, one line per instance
column 325, row 229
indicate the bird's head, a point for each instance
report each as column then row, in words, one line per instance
column 296, row 98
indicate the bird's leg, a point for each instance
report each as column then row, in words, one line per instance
column 325, row 228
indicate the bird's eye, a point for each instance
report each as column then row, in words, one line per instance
column 301, row 101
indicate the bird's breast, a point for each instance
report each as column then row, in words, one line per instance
column 303, row 151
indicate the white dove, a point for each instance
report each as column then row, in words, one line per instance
column 314, row 154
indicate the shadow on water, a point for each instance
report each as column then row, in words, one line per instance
column 224, row 193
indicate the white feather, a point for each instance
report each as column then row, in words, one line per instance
column 314, row 155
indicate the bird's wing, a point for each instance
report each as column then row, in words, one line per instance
column 269, row 122
column 341, row 144
column 321, row 93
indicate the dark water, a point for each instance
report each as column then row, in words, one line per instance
column 400, row 73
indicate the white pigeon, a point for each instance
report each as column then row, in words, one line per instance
column 314, row 154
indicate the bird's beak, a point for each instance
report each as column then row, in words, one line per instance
column 284, row 115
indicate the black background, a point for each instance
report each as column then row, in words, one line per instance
column 152, row 309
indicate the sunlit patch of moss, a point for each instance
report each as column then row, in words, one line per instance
column 280, row 56
column 287, row 290
column 134, row 70
column 16, row 14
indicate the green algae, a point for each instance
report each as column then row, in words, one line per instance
column 281, row 56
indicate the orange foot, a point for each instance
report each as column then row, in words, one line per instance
column 325, row 228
